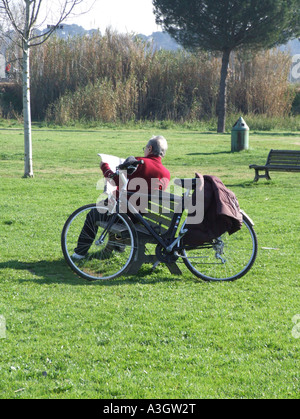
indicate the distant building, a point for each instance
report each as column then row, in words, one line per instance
column 58, row 27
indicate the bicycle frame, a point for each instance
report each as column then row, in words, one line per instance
column 177, row 224
column 219, row 259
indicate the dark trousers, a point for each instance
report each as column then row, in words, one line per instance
column 90, row 229
column 89, row 232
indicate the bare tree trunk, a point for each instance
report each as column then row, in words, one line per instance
column 28, row 168
column 26, row 40
column 222, row 100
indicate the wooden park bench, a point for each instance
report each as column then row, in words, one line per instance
column 159, row 214
column 280, row 161
column 159, row 217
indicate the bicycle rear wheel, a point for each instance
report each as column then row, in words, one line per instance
column 108, row 253
column 224, row 259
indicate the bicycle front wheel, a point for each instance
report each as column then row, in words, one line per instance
column 107, row 243
column 224, row 259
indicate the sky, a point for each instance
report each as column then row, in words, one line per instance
column 122, row 15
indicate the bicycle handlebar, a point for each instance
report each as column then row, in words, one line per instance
column 129, row 163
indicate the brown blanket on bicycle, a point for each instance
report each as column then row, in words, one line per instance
column 221, row 213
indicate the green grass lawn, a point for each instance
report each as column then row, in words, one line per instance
column 153, row 335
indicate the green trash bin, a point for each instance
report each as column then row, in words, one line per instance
column 240, row 136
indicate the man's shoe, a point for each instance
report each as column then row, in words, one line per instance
column 120, row 248
column 75, row 256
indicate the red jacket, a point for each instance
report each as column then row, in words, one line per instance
column 155, row 174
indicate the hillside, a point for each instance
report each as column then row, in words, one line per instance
column 160, row 40
column 293, row 47
column 65, row 31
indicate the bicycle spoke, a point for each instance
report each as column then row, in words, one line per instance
column 225, row 259
column 104, row 259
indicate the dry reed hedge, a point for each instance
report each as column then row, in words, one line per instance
column 115, row 77
column 260, row 85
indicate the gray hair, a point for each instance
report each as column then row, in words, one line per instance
column 159, row 145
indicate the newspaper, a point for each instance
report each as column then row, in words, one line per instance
column 113, row 162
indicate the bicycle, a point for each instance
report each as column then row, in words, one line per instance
column 115, row 237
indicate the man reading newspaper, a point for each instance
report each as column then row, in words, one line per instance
column 152, row 171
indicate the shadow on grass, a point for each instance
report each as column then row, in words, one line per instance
column 57, row 272
column 276, row 134
column 252, row 184
column 213, row 132
column 209, row 154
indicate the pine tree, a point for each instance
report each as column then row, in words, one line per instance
column 226, row 25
